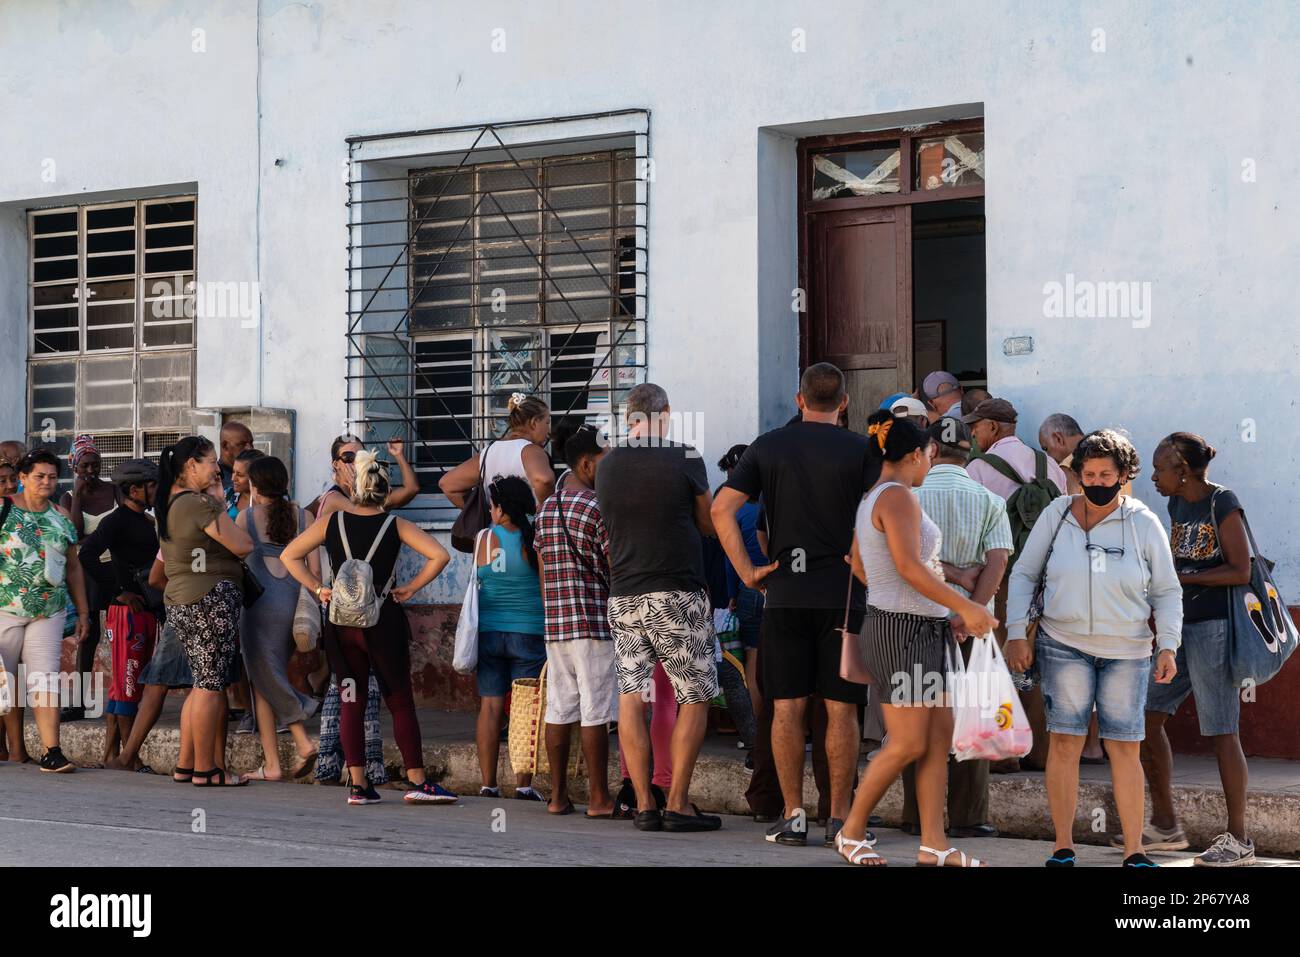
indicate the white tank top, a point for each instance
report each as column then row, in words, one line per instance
column 505, row 457
column 886, row 589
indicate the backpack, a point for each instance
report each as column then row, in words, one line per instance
column 1026, row 502
column 353, row 601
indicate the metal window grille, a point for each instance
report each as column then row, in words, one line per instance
column 492, row 271
column 111, row 324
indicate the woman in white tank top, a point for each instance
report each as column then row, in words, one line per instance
column 905, row 636
column 520, row 452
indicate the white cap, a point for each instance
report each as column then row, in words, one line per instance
column 908, row 406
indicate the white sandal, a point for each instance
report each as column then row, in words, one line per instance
column 858, row 851
column 944, row 855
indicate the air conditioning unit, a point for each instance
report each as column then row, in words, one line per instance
column 273, row 429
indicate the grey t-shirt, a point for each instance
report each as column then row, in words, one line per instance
column 647, row 499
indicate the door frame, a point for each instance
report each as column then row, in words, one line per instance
column 906, row 198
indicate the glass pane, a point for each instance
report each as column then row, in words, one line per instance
column 512, row 367
column 108, row 218
column 54, row 387
column 106, row 395
column 170, row 212
column 121, row 240
column 55, row 330
column 54, row 223
column 54, row 246
column 55, row 270
column 168, row 311
column 178, row 261
column 169, row 236
column 949, row 161
column 858, row 172
column 164, row 389
column 110, row 265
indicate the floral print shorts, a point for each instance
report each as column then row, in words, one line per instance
column 209, row 631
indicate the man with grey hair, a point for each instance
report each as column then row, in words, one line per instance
column 654, row 496
column 1058, row 436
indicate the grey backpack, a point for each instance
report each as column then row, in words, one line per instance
column 353, row 601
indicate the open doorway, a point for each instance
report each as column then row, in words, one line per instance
column 891, row 255
column 948, row 312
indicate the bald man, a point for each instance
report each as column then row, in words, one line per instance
column 235, row 438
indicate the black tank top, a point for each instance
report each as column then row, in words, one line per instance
column 362, row 530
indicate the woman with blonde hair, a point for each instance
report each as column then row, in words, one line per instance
column 520, row 452
column 368, row 529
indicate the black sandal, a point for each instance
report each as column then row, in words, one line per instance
column 188, row 772
column 217, row 775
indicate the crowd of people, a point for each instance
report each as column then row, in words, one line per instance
column 622, row 577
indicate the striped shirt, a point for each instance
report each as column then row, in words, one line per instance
column 575, row 599
column 973, row 520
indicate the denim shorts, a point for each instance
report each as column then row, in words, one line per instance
column 749, row 611
column 504, row 656
column 1203, row 673
column 1073, row 682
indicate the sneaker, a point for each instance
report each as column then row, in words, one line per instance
column 487, row 792
column 1139, row 860
column 529, row 794
column 1226, row 851
column 1156, row 839
column 749, row 762
column 625, row 802
column 741, row 746
column 833, row 826
column 790, row 831
column 429, row 793
column 358, row 794
column 55, row 762
column 247, row 724
column 283, row 729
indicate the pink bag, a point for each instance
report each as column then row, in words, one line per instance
column 989, row 723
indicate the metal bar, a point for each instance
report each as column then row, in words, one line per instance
column 508, row 124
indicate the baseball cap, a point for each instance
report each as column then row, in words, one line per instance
column 937, row 382
column 906, row 405
column 888, row 404
column 995, row 410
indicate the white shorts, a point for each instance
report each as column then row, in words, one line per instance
column 581, row 682
column 36, row 643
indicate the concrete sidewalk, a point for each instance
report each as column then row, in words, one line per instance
column 1018, row 803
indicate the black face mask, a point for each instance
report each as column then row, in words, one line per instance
column 1101, row 494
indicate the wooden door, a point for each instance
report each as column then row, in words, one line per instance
column 861, row 311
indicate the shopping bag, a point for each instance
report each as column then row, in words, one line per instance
column 6, row 692
column 464, row 656
column 306, row 621
column 989, row 723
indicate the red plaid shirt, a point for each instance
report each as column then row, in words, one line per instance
column 575, row 600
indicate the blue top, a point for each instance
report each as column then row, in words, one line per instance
column 510, row 593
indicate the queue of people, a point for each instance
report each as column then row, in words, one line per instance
column 937, row 528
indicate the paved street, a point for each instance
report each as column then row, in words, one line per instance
column 112, row 818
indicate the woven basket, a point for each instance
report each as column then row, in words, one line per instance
column 527, row 742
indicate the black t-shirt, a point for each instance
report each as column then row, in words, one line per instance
column 1192, row 538
column 647, row 499
column 130, row 538
column 812, row 475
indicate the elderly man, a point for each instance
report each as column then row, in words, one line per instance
column 1059, row 436
column 942, row 393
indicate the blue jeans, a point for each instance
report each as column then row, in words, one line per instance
column 504, row 656
column 1202, row 661
column 1073, row 682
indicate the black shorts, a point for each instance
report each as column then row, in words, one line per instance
column 799, row 654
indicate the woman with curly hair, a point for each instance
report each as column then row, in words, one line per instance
column 1104, row 561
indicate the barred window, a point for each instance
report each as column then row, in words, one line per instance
column 512, row 275
column 111, row 347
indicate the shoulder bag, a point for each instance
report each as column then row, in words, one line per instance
column 1261, row 633
column 475, row 515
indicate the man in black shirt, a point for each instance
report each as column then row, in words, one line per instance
column 129, row 535
column 654, row 497
column 812, row 475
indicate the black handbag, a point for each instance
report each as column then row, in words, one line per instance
column 475, row 515
column 250, row 586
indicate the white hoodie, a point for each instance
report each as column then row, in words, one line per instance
column 1095, row 602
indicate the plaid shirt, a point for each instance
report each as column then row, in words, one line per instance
column 575, row 600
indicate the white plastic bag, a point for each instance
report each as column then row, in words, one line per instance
column 989, row 723
column 464, row 656
column 6, row 695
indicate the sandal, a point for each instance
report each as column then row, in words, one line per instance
column 308, row 765
column 858, row 852
column 259, row 775
column 188, row 772
column 567, row 809
column 218, row 775
column 944, row 855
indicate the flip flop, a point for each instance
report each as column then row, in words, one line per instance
column 308, row 765
column 258, row 775
column 567, row 809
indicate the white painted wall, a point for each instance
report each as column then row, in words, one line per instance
column 1123, row 164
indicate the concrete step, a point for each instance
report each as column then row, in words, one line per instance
column 1018, row 803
